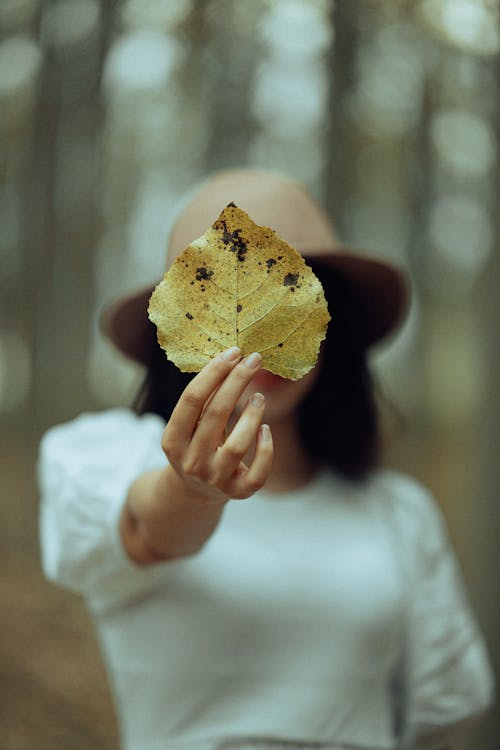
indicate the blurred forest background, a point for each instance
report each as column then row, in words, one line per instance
column 388, row 109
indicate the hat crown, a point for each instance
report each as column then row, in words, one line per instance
column 284, row 205
column 269, row 199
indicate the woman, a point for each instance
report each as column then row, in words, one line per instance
column 257, row 580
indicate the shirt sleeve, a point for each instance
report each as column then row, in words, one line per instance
column 85, row 468
column 449, row 677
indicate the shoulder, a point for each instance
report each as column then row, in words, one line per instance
column 94, row 430
column 94, row 438
column 412, row 506
column 404, row 491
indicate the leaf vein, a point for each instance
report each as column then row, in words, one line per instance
column 272, row 346
column 211, row 335
column 266, row 313
column 216, row 312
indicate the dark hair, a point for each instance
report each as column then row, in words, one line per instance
column 338, row 419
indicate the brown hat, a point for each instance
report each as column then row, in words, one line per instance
column 278, row 202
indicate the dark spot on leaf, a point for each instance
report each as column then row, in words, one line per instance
column 231, row 205
column 280, row 345
column 203, row 274
column 236, row 242
column 226, row 236
column 270, row 262
column 290, row 279
column 189, row 316
column 238, row 308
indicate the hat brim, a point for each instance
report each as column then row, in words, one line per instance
column 382, row 292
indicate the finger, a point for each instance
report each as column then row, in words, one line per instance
column 212, row 425
column 241, row 439
column 256, row 476
column 189, row 408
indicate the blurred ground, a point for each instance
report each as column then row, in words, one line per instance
column 53, row 689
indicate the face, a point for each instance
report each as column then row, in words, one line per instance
column 283, row 396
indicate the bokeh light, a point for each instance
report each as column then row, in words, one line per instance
column 20, row 65
column 465, row 142
column 471, row 25
column 141, row 61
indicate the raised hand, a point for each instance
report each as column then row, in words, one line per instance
column 197, row 441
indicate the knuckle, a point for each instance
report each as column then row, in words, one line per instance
column 166, row 443
column 216, row 480
column 243, row 373
column 242, row 495
column 233, row 451
column 193, row 468
column 265, row 451
column 216, row 411
column 191, row 397
column 239, row 495
column 169, row 444
column 253, row 486
column 250, row 485
column 246, row 492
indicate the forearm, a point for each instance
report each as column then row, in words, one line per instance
column 164, row 519
column 170, row 513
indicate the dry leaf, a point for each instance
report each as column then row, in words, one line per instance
column 240, row 284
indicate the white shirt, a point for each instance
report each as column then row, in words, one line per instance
column 289, row 626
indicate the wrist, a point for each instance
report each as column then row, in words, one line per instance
column 164, row 517
column 135, row 542
column 189, row 491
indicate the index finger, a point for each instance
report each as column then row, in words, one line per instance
column 189, row 407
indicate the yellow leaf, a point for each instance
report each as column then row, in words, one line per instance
column 240, row 284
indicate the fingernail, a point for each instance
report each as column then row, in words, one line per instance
column 265, row 432
column 257, row 399
column 231, row 354
column 252, row 360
